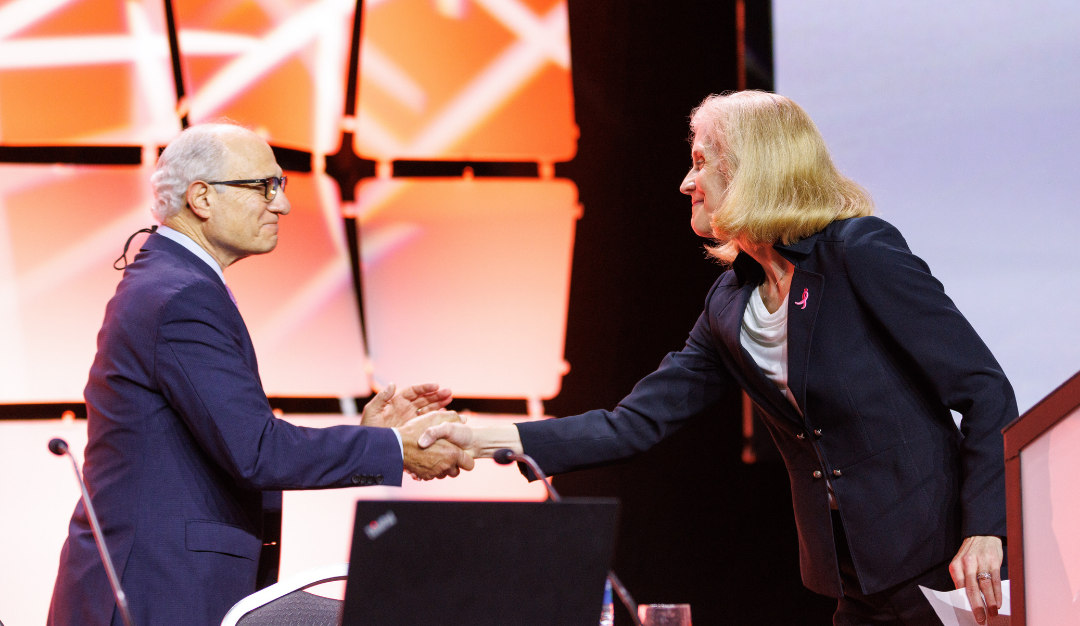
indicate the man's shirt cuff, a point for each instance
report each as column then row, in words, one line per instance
column 400, row 445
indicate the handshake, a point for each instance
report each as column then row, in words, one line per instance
column 436, row 443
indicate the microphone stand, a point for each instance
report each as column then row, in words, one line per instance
column 505, row 456
column 59, row 447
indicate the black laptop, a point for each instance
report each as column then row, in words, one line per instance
column 479, row 563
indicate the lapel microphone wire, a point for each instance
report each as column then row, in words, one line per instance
column 123, row 257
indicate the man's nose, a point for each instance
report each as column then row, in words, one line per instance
column 280, row 204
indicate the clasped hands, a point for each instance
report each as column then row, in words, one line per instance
column 436, row 443
column 412, row 412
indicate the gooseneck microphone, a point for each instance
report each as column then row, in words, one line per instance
column 506, row 456
column 59, row 447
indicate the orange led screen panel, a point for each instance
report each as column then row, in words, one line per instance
column 85, row 72
column 484, row 80
column 299, row 301
column 277, row 66
column 61, row 227
column 466, row 282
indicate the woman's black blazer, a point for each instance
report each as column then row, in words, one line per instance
column 877, row 357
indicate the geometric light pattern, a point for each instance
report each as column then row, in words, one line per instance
column 440, row 79
column 299, row 303
column 481, row 80
column 85, row 72
column 98, row 71
column 279, row 66
column 467, row 281
column 61, row 227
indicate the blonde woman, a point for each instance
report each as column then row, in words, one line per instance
column 854, row 353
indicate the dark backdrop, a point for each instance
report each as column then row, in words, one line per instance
column 697, row 525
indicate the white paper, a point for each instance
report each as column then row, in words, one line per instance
column 953, row 608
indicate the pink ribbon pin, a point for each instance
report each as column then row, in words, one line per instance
column 805, row 296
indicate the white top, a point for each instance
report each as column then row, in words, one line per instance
column 764, row 336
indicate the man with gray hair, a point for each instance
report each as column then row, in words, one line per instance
column 182, row 441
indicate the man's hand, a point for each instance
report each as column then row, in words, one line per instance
column 977, row 567
column 390, row 411
column 438, row 460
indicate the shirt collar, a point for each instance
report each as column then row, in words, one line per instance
column 799, row 249
column 748, row 270
column 192, row 247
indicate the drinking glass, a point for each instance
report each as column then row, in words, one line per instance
column 664, row 614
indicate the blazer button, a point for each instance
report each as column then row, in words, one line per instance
column 817, row 431
column 801, row 436
column 836, row 473
column 356, row 479
column 818, row 474
column 378, row 479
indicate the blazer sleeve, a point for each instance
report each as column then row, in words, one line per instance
column 203, row 373
column 896, row 287
column 687, row 383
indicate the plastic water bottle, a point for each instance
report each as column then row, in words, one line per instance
column 607, row 612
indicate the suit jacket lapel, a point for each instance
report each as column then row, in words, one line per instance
column 762, row 390
column 730, row 325
column 804, row 300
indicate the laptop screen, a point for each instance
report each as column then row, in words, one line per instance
column 479, row 563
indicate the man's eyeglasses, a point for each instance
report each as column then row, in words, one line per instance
column 270, row 185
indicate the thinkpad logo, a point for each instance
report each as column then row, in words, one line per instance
column 378, row 526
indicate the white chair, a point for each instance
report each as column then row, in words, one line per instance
column 286, row 602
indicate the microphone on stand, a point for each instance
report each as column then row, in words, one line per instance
column 59, row 447
column 506, row 456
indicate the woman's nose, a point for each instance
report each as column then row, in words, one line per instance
column 687, row 185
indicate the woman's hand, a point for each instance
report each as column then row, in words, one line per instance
column 389, row 410
column 977, row 567
column 478, row 442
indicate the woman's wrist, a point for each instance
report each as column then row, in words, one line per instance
column 492, row 438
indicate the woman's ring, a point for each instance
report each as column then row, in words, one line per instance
column 983, row 576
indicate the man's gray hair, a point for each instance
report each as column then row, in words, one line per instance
column 199, row 153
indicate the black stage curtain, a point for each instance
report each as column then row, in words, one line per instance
column 697, row 525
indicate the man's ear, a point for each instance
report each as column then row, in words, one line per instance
column 200, row 199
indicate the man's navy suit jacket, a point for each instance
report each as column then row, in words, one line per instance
column 877, row 357
column 182, row 443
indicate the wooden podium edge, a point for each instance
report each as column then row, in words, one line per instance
column 1056, row 406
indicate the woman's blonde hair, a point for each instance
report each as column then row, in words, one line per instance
column 781, row 182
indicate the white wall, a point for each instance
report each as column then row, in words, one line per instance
column 963, row 120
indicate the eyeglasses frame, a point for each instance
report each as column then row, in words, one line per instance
column 269, row 192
